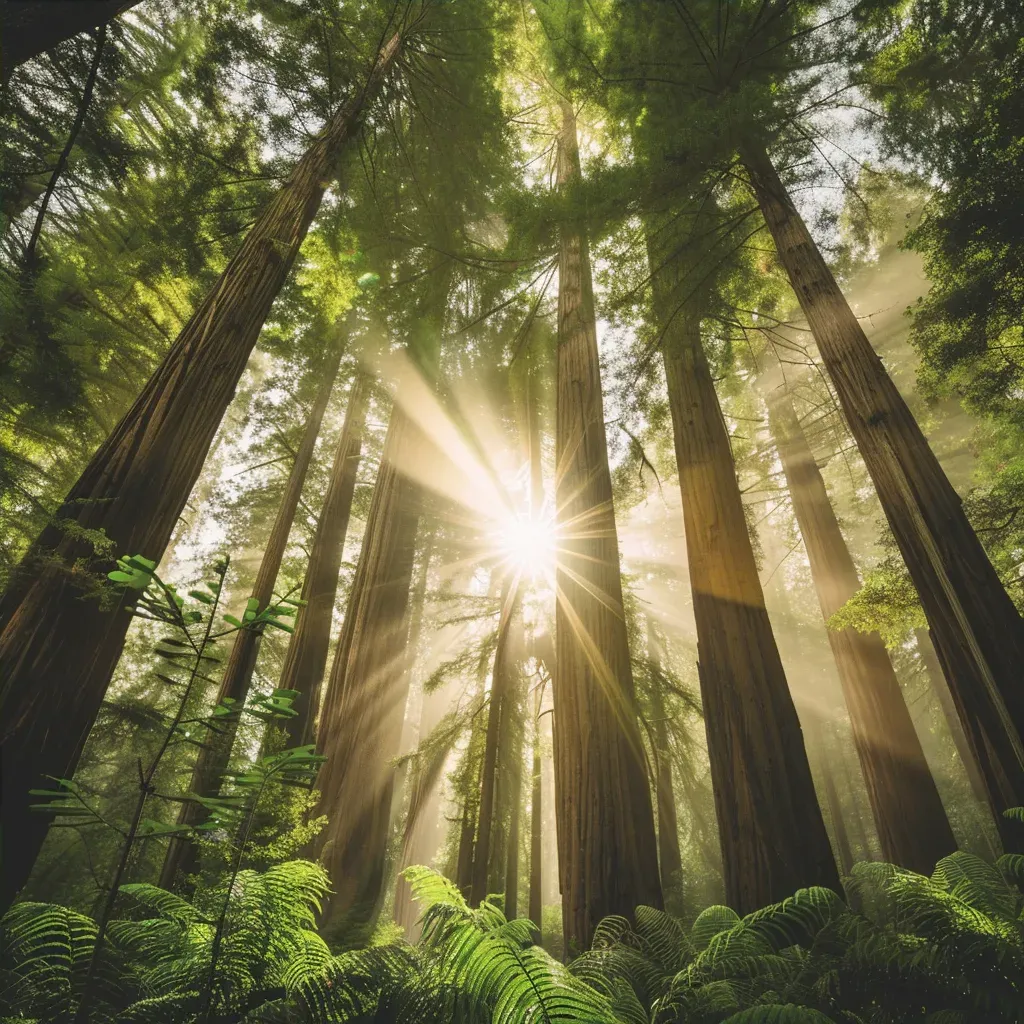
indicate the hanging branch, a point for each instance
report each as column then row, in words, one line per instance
column 83, row 109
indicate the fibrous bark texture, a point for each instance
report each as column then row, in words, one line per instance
column 215, row 754
column 58, row 651
column 911, row 821
column 306, row 659
column 364, row 704
column 977, row 632
column 770, row 826
column 607, row 845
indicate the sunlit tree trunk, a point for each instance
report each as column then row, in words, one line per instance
column 670, row 859
column 772, row 834
column 500, row 677
column 29, row 28
column 58, row 651
column 977, row 632
column 364, row 704
column 214, row 755
column 306, row 659
column 607, row 846
column 911, row 821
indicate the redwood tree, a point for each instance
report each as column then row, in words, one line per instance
column 607, row 845
column 306, row 659
column 58, row 651
column 911, row 821
column 977, row 631
column 364, row 703
column 772, row 834
column 214, row 755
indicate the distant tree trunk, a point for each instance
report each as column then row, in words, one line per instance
column 467, row 834
column 956, row 730
column 607, row 845
column 58, row 651
column 364, row 706
column 515, row 768
column 306, row 660
column 772, row 834
column 499, row 686
column 536, row 817
column 670, row 859
column 29, row 28
column 911, row 821
column 819, row 757
column 425, row 778
column 215, row 754
column 978, row 634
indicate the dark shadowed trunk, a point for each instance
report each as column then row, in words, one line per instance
column 57, row 651
column 467, row 833
column 977, row 632
column 364, row 703
column 911, row 821
column 536, row 817
column 514, row 763
column 670, row 859
column 608, row 859
column 30, row 27
column 214, row 755
column 306, row 660
column 770, row 826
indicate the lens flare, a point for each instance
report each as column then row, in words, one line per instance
column 527, row 543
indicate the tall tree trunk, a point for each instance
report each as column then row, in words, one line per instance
column 940, row 688
column 414, row 848
column 467, row 834
column 499, row 686
column 670, row 860
column 772, row 834
column 515, row 767
column 208, row 774
column 361, row 724
column 911, row 821
column 819, row 757
column 607, row 846
column 57, row 651
column 29, row 28
column 536, row 818
column 978, row 634
column 306, row 660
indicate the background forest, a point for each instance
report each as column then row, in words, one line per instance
column 512, row 511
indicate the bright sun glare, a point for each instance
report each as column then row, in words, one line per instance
column 528, row 543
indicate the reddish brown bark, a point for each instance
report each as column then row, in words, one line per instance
column 211, row 764
column 608, row 860
column 514, row 764
column 58, row 651
column 364, row 704
column 306, row 660
column 911, row 821
column 977, row 632
column 770, row 826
